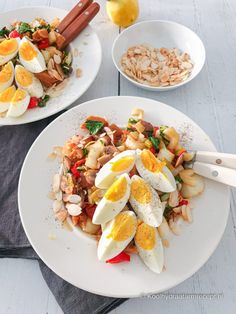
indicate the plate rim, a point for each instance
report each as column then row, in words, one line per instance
column 2, row 123
column 134, row 295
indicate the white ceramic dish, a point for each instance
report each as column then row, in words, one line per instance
column 159, row 34
column 88, row 59
column 72, row 255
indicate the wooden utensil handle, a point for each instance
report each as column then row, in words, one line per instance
column 216, row 173
column 221, row 159
column 76, row 27
column 81, row 6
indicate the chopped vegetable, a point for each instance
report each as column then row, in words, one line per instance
column 4, row 32
column 43, row 44
column 122, row 257
column 46, row 26
column 167, row 211
column 65, row 68
column 178, row 179
column 152, row 149
column 93, row 126
column 75, row 171
column 155, row 142
column 34, row 101
column 15, row 34
column 85, row 151
column 24, row 28
column 183, row 202
column 43, row 101
column 132, row 120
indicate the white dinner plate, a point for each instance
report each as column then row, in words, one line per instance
column 72, row 254
column 87, row 56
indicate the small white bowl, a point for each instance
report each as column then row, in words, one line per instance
column 159, row 34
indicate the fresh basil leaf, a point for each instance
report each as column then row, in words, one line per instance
column 24, row 27
column 93, row 126
column 132, row 121
column 43, row 101
column 155, row 142
column 4, row 32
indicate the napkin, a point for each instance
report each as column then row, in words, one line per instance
column 15, row 142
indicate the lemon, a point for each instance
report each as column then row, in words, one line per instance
column 122, row 12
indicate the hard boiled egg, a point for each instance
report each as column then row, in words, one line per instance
column 113, row 201
column 149, row 246
column 6, row 97
column 30, row 56
column 154, row 171
column 119, row 164
column 8, row 49
column 146, row 202
column 19, row 103
column 26, row 80
column 6, row 76
column 116, row 235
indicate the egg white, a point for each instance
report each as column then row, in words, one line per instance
column 4, row 105
column 151, row 213
column 5, row 85
column 5, row 59
column 16, row 109
column 105, row 177
column 109, row 248
column 37, row 64
column 154, row 258
column 107, row 210
column 163, row 180
column 35, row 89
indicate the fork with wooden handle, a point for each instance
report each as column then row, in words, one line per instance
column 220, row 167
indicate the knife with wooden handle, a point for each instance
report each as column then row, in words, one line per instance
column 81, row 6
column 76, row 27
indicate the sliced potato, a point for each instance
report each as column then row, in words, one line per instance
column 196, row 187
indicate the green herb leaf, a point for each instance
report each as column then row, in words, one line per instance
column 46, row 26
column 178, row 179
column 24, row 27
column 85, row 151
column 66, row 68
column 4, row 32
column 132, row 120
column 130, row 129
column 167, row 211
column 155, row 142
column 80, row 168
column 93, row 126
column 43, row 101
column 68, row 170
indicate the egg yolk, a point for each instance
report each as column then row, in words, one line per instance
column 24, row 77
column 145, row 236
column 6, row 73
column 19, row 95
column 7, row 94
column 8, row 47
column 117, row 190
column 123, row 227
column 140, row 191
column 150, row 162
column 27, row 51
column 122, row 164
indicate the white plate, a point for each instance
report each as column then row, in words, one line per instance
column 89, row 60
column 159, row 34
column 72, row 255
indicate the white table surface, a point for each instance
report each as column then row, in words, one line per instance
column 210, row 100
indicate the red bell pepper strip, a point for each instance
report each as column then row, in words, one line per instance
column 43, row 44
column 34, row 101
column 155, row 129
column 74, row 169
column 122, row 257
column 183, row 202
column 15, row 34
column 152, row 149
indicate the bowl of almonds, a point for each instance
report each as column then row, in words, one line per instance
column 158, row 55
